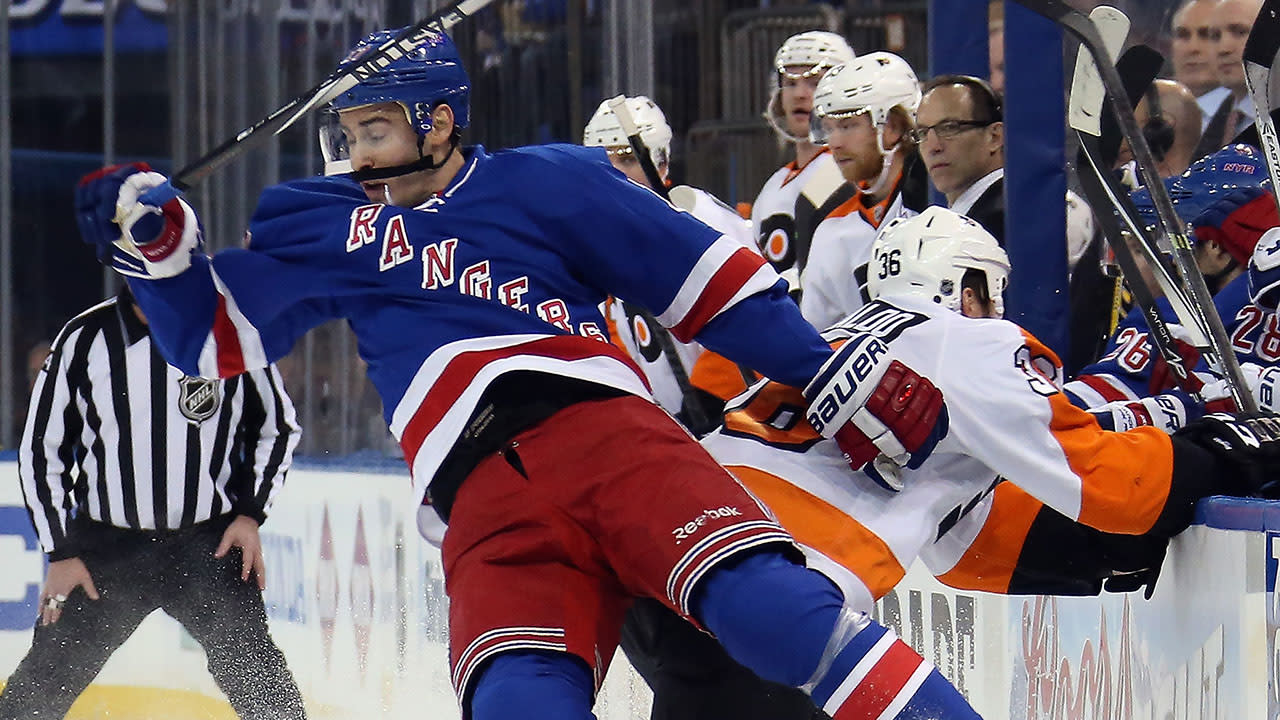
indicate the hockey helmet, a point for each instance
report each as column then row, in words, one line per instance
column 874, row 83
column 1207, row 181
column 813, row 52
column 420, row 81
column 804, row 55
column 603, row 130
column 927, row 255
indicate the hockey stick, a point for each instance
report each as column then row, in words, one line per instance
column 331, row 87
column 1138, row 67
column 691, row 405
column 1260, row 52
column 1201, row 300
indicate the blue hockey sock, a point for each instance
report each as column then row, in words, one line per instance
column 787, row 624
column 555, row 686
column 772, row 615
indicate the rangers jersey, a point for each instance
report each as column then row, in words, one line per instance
column 634, row 329
column 1008, row 419
column 503, row 271
column 1124, row 371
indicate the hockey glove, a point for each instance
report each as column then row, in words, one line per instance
column 137, row 221
column 1246, row 447
column 1238, row 220
column 870, row 405
column 1135, row 561
column 1167, row 411
column 1264, row 271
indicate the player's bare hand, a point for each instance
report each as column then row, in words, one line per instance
column 60, row 580
column 243, row 533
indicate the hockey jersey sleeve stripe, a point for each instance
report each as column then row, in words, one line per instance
column 1109, row 388
column 724, row 274
column 989, row 562
column 468, row 372
column 234, row 344
column 229, row 358
column 820, row 525
column 1124, row 478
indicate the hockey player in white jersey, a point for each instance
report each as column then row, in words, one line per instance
column 936, row 282
column 798, row 65
column 630, row 326
column 864, row 114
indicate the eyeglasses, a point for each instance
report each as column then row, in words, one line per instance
column 948, row 129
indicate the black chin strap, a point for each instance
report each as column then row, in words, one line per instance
column 424, row 162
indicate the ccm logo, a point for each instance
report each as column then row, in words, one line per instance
column 842, row 389
column 683, row 532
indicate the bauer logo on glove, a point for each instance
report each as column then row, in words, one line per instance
column 870, row 405
column 858, row 362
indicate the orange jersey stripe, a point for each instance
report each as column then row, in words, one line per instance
column 717, row 375
column 1125, row 477
column 989, row 562
column 816, row 523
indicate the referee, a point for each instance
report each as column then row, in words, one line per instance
column 146, row 489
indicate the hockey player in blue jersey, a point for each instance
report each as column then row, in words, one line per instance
column 1227, row 204
column 472, row 282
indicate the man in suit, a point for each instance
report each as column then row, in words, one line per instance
column 960, row 131
column 1233, row 19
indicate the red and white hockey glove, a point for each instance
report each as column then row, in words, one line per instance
column 870, row 404
column 138, row 221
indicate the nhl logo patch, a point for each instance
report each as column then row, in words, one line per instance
column 199, row 398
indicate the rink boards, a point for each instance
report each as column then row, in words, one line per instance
column 357, row 603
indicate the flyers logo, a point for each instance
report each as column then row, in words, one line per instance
column 775, row 240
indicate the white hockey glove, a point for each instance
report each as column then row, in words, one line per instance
column 137, row 220
column 870, row 404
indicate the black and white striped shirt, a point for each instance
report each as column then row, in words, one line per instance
column 117, row 435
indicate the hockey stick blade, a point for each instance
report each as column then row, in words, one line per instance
column 331, row 87
column 1260, row 52
column 1087, row 91
column 1138, row 67
column 1079, row 26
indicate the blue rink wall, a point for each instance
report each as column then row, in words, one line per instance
column 357, row 603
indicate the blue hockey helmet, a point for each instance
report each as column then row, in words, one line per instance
column 425, row 77
column 1206, row 182
column 420, row 81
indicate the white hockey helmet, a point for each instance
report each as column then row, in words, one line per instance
column 814, row 51
column 801, row 56
column 927, row 255
column 874, row 83
column 604, row 131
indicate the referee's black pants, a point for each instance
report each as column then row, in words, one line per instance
column 135, row 573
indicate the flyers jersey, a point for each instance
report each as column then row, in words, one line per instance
column 1008, row 418
column 835, row 280
column 773, row 215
